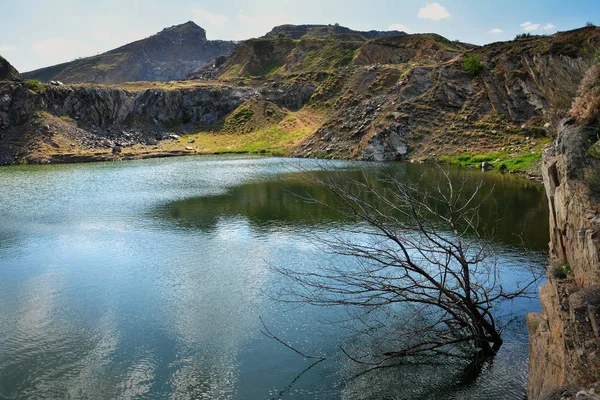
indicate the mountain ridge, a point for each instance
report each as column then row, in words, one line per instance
column 170, row 54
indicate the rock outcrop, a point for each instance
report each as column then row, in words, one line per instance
column 564, row 338
column 7, row 71
column 171, row 54
column 102, row 117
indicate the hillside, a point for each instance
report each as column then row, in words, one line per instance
column 406, row 97
column 7, row 71
column 170, row 54
column 327, row 32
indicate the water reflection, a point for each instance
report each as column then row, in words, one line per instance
column 147, row 280
column 516, row 210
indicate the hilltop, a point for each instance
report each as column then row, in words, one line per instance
column 170, row 54
column 328, row 32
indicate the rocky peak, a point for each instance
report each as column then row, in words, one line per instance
column 186, row 29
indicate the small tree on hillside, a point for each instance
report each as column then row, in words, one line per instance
column 472, row 64
column 421, row 259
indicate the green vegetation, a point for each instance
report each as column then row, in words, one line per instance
column 239, row 117
column 472, row 64
column 35, row 85
column 560, row 271
column 332, row 55
column 500, row 159
column 281, row 35
column 269, row 67
column 186, row 119
column 523, row 35
column 591, row 177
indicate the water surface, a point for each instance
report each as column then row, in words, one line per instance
column 147, row 279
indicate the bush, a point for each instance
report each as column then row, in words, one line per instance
column 586, row 106
column 281, row 35
column 591, row 177
column 35, row 85
column 472, row 64
column 561, row 271
column 523, row 35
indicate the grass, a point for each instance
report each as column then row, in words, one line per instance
column 500, row 159
column 239, row 117
column 274, row 139
column 35, row 85
column 560, row 271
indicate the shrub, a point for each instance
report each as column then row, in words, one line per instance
column 281, row 35
column 523, row 35
column 472, row 64
column 590, row 24
column 586, row 106
column 35, row 85
column 591, row 177
column 560, row 271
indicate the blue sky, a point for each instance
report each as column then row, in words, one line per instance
column 38, row 33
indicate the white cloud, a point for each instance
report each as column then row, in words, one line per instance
column 496, row 31
column 434, row 12
column 530, row 26
column 5, row 48
column 398, row 27
column 210, row 18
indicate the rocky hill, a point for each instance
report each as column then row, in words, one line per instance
column 417, row 97
column 7, row 71
column 327, row 32
column 171, row 54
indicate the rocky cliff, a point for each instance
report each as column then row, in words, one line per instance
column 386, row 98
column 171, row 54
column 564, row 338
column 83, row 117
column 410, row 96
column 7, row 71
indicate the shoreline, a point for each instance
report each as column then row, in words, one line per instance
column 72, row 158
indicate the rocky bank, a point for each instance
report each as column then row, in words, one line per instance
column 95, row 117
column 564, row 338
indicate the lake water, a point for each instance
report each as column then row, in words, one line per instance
column 148, row 279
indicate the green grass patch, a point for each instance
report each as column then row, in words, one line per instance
column 500, row 159
column 35, row 85
column 239, row 117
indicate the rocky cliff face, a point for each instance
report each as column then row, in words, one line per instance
column 104, row 117
column 564, row 338
column 7, row 71
column 171, row 54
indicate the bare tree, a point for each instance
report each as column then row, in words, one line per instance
column 419, row 253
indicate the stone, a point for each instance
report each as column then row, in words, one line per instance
column 116, row 149
column 189, row 148
column 486, row 166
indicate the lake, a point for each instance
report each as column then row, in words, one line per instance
column 147, row 280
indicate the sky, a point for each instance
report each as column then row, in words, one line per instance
column 39, row 33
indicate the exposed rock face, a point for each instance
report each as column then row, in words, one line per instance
column 564, row 342
column 7, row 71
column 171, row 54
column 109, row 116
